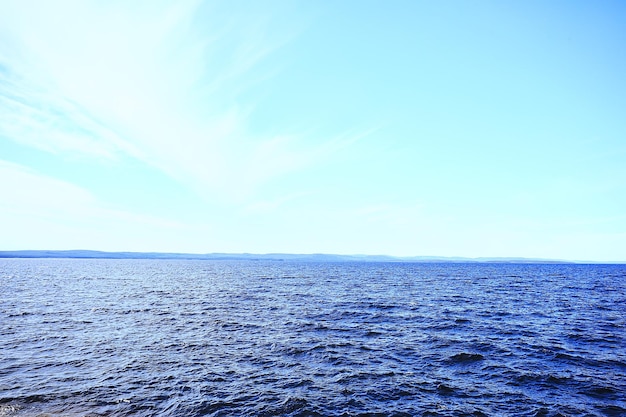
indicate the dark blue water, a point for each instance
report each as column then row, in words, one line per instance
column 227, row 338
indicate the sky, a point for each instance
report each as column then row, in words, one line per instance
column 407, row 128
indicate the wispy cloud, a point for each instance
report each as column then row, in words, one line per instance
column 34, row 117
column 160, row 82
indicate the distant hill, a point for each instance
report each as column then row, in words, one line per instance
column 318, row 257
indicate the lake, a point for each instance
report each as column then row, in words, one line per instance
column 268, row 338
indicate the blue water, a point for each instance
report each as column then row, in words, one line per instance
column 229, row 338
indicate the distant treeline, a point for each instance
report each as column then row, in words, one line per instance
column 90, row 254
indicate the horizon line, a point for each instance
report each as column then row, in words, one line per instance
column 99, row 254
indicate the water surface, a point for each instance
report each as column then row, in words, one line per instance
column 229, row 338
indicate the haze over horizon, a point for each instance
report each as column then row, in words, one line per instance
column 409, row 128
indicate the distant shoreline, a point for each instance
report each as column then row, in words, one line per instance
column 91, row 254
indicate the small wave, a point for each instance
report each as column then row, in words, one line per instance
column 464, row 357
column 445, row 389
column 289, row 407
column 612, row 410
column 7, row 410
column 601, row 392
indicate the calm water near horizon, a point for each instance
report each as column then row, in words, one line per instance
column 244, row 338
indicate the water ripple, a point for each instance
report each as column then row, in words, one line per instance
column 224, row 338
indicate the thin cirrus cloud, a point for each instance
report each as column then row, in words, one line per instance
column 155, row 83
column 37, row 118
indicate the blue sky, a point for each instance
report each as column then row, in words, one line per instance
column 401, row 127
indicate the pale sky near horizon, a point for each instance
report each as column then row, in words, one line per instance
column 457, row 128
